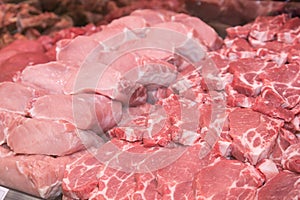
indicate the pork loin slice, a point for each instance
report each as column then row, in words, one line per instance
column 227, row 179
column 253, row 134
column 16, row 97
column 7, row 119
column 26, row 173
column 119, row 80
column 48, row 137
column 50, row 76
column 284, row 185
column 85, row 111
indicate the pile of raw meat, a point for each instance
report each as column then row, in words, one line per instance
column 154, row 105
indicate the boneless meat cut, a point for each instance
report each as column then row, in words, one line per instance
column 154, row 105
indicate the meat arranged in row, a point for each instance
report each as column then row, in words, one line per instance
column 157, row 106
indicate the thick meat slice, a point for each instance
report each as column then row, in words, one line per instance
column 245, row 75
column 285, row 80
column 291, row 158
column 72, row 52
column 253, row 134
column 40, row 136
column 7, row 119
column 26, row 173
column 206, row 34
column 152, row 17
column 52, row 76
column 85, row 111
column 227, row 179
column 265, row 28
column 175, row 180
column 284, row 186
column 121, row 78
column 16, row 97
column 116, row 170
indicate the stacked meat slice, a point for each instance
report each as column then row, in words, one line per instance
column 157, row 106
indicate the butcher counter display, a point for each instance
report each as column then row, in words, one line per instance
column 154, row 105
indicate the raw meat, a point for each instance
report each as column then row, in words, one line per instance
column 253, row 134
column 6, row 122
column 85, row 111
column 227, row 179
column 52, row 76
column 291, row 158
column 104, row 173
column 16, row 97
column 175, row 180
column 283, row 186
column 173, row 134
column 26, row 173
column 40, row 136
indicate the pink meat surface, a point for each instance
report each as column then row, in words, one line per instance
column 291, row 158
column 103, row 174
column 85, row 111
column 16, row 97
column 175, row 180
column 253, row 134
column 7, row 119
column 40, row 136
column 227, row 179
column 283, row 186
column 26, row 173
column 52, row 76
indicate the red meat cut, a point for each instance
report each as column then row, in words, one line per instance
column 253, row 134
column 15, row 171
column 227, row 179
column 283, row 186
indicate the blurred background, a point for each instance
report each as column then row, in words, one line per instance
column 33, row 18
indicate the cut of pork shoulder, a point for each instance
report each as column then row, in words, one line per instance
column 85, row 111
column 102, row 173
column 175, row 180
column 245, row 73
column 285, row 80
column 291, row 158
column 172, row 119
column 253, row 134
column 40, row 136
column 284, row 186
column 52, row 76
column 16, row 97
column 272, row 104
column 26, row 173
column 283, row 141
column 227, row 179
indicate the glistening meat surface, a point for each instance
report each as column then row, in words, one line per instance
column 182, row 113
